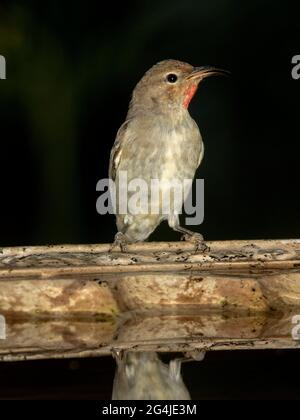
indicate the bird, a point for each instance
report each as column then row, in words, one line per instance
column 159, row 140
column 143, row 376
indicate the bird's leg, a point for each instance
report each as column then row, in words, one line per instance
column 188, row 235
column 175, row 368
column 118, row 355
column 192, row 356
column 194, row 237
column 120, row 241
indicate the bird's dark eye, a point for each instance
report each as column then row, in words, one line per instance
column 172, row 78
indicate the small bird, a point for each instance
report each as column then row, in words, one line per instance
column 143, row 376
column 159, row 140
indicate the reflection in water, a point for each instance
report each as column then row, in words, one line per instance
column 143, row 376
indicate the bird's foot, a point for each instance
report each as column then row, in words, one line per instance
column 189, row 356
column 195, row 355
column 117, row 355
column 197, row 239
column 120, row 241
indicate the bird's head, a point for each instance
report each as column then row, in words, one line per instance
column 170, row 84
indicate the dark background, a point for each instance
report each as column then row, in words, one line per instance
column 243, row 375
column 71, row 68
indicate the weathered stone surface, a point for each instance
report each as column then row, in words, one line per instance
column 185, row 332
column 248, row 292
column 52, row 261
column 78, row 301
column 55, row 297
column 57, row 334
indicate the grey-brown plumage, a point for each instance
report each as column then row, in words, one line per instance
column 158, row 140
column 143, row 376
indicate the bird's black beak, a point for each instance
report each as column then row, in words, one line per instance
column 199, row 73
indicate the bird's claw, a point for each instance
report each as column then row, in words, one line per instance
column 195, row 355
column 118, row 355
column 197, row 239
column 120, row 241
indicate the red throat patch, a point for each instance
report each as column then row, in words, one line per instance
column 189, row 93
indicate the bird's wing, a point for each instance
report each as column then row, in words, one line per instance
column 201, row 154
column 122, row 138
